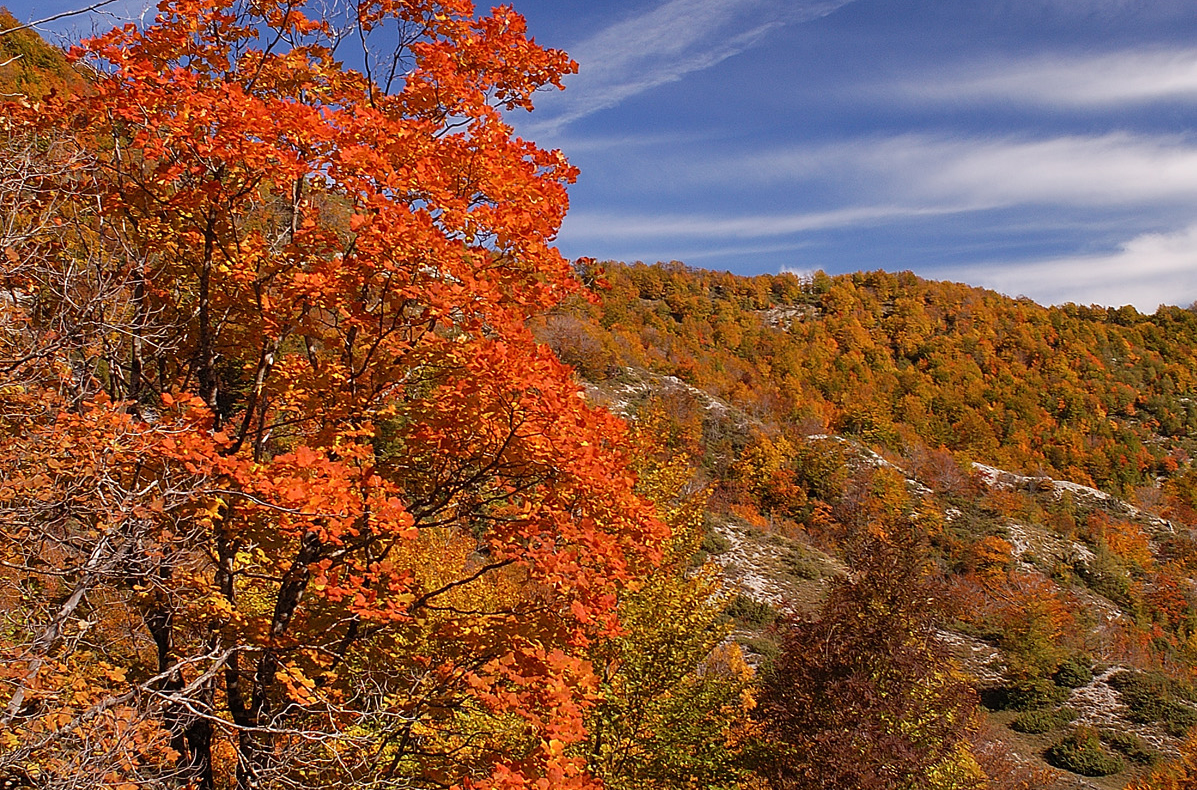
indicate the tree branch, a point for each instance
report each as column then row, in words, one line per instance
column 56, row 17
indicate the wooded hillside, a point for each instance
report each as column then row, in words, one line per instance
column 296, row 490
column 826, row 406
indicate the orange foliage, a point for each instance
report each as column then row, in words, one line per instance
column 1124, row 538
column 1033, row 618
column 274, row 418
column 1081, row 393
column 992, row 556
column 1180, row 774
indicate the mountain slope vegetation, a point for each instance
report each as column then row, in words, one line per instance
column 1043, row 453
column 1100, row 396
column 295, row 490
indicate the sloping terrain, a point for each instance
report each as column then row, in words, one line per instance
column 1052, row 482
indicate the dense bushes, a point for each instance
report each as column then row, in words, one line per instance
column 751, row 613
column 1042, row 720
column 1073, row 672
column 1130, row 745
column 1025, row 694
column 1081, row 752
column 1153, row 697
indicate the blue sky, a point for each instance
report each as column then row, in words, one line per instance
column 1040, row 147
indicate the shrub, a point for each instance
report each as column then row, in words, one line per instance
column 1025, row 694
column 714, row 543
column 1107, row 576
column 751, row 613
column 1153, row 697
column 1130, row 745
column 1146, row 694
column 1042, row 720
column 800, row 567
column 1081, row 752
column 1074, row 671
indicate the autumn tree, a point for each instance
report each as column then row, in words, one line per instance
column 674, row 693
column 863, row 695
column 289, row 495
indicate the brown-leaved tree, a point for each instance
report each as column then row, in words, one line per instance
column 863, row 695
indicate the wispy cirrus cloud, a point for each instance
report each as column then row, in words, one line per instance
column 1105, row 170
column 1129, row 77
column 1095, row 189
column 675, row 38
column 966, row 172
column 1146, row 271
column 582, row 226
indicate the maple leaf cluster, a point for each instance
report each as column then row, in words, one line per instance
column 290, row 496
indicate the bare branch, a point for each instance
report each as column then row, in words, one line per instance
column 56, row 17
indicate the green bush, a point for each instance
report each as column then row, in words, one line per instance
column 1145, row 693
column 1153, row 697
column 799, row 566
column 1130, row 745
column 1042, row 720
column 751, row 613
column 1074, row 671
column 714, row 543
column 1026, row 694
column 1081, row 752
column 1107, row 576
column 1180, row 721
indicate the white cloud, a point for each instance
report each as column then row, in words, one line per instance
column 599, row 226
column 1132, row 181
column 1114, row 169
column 1105, row 80
column 1146, row 271
column 663, row 45
column 968, row 173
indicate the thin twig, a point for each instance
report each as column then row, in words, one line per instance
column 56, row 17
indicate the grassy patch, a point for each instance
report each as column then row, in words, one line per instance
column 764, row 647
column 798, row 565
